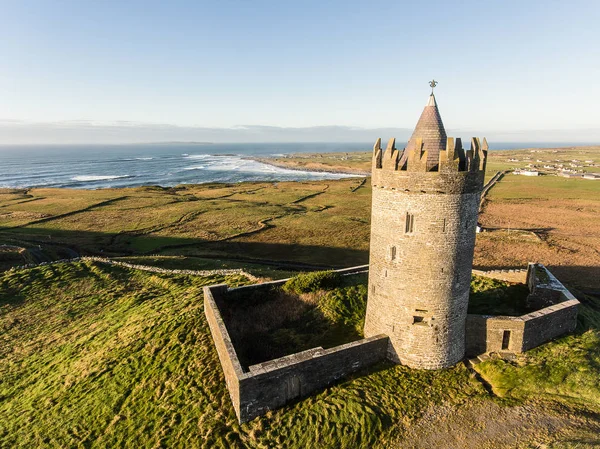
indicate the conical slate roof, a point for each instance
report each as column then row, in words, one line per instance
column 431, row 129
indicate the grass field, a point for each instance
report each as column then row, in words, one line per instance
column 316, row 222
column 101, row 356
column 547, row 219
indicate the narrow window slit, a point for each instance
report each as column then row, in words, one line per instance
column 410, row 222
column 505, row 339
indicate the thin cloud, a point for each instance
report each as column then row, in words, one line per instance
column 89, row 131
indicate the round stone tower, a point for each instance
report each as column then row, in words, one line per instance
column 423, row 225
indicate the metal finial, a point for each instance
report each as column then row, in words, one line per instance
column 432, row 84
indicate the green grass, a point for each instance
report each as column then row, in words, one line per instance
column 544, row 188
column 100, row 356
column 90, row 354
column 566, row 370
column 311, row 282
column 493, row 297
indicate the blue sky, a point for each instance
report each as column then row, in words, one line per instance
column 529, row 68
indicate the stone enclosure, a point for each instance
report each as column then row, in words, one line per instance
column 554, row 313
column 258, row 388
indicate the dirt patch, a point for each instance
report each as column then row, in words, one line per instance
column 489, row 425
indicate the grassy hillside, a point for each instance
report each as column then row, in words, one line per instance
column 98, row 356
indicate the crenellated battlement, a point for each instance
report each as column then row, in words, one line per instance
column 415, row 158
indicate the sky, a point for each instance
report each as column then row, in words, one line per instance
column 141, row 71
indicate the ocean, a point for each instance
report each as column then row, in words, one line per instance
column 169, row 164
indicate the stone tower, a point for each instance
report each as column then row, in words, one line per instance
column 424, row 218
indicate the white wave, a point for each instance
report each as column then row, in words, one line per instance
column 197, row 156
column 184, row 154
column 252, row 167
column 87, row 178
column 194, row 167
column 144, row 158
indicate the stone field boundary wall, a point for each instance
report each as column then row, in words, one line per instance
column 272, row 384
column 491, row 183
column 150, row 268
column 517, row 276
column 517, row 334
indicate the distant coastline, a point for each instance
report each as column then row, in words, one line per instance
column 175, row 142
column 171, row 164
column 359, row 162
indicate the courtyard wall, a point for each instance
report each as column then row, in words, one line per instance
column 256, row 389
column 487, row 333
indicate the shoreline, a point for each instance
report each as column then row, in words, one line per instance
column 319, row 165
column 313, row 167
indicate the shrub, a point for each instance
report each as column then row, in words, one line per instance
column 311, row 282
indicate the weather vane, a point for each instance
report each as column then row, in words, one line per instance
column 432, row 84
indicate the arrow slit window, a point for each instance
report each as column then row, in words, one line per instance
column 410, row 223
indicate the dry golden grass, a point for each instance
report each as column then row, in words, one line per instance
column 563, row 213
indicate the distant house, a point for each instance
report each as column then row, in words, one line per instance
column 568, row 174
column 527, row 172
column 591, row 176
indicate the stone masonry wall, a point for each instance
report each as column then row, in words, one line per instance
column 256, row 389
column 272, row 384
column 516, row 276
column 227, row 355
column 420, row 274
column 485, row 334
column 520, row 333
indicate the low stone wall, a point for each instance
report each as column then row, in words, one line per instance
column 550, row 322
column 516, row 334
column 229, row 360
column 517, row 276
column 485, row 333
column 272, row 384
column 150, row 268
column 491, row 183
column 256, row 389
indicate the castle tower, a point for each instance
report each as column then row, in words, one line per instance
column 423, row 224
